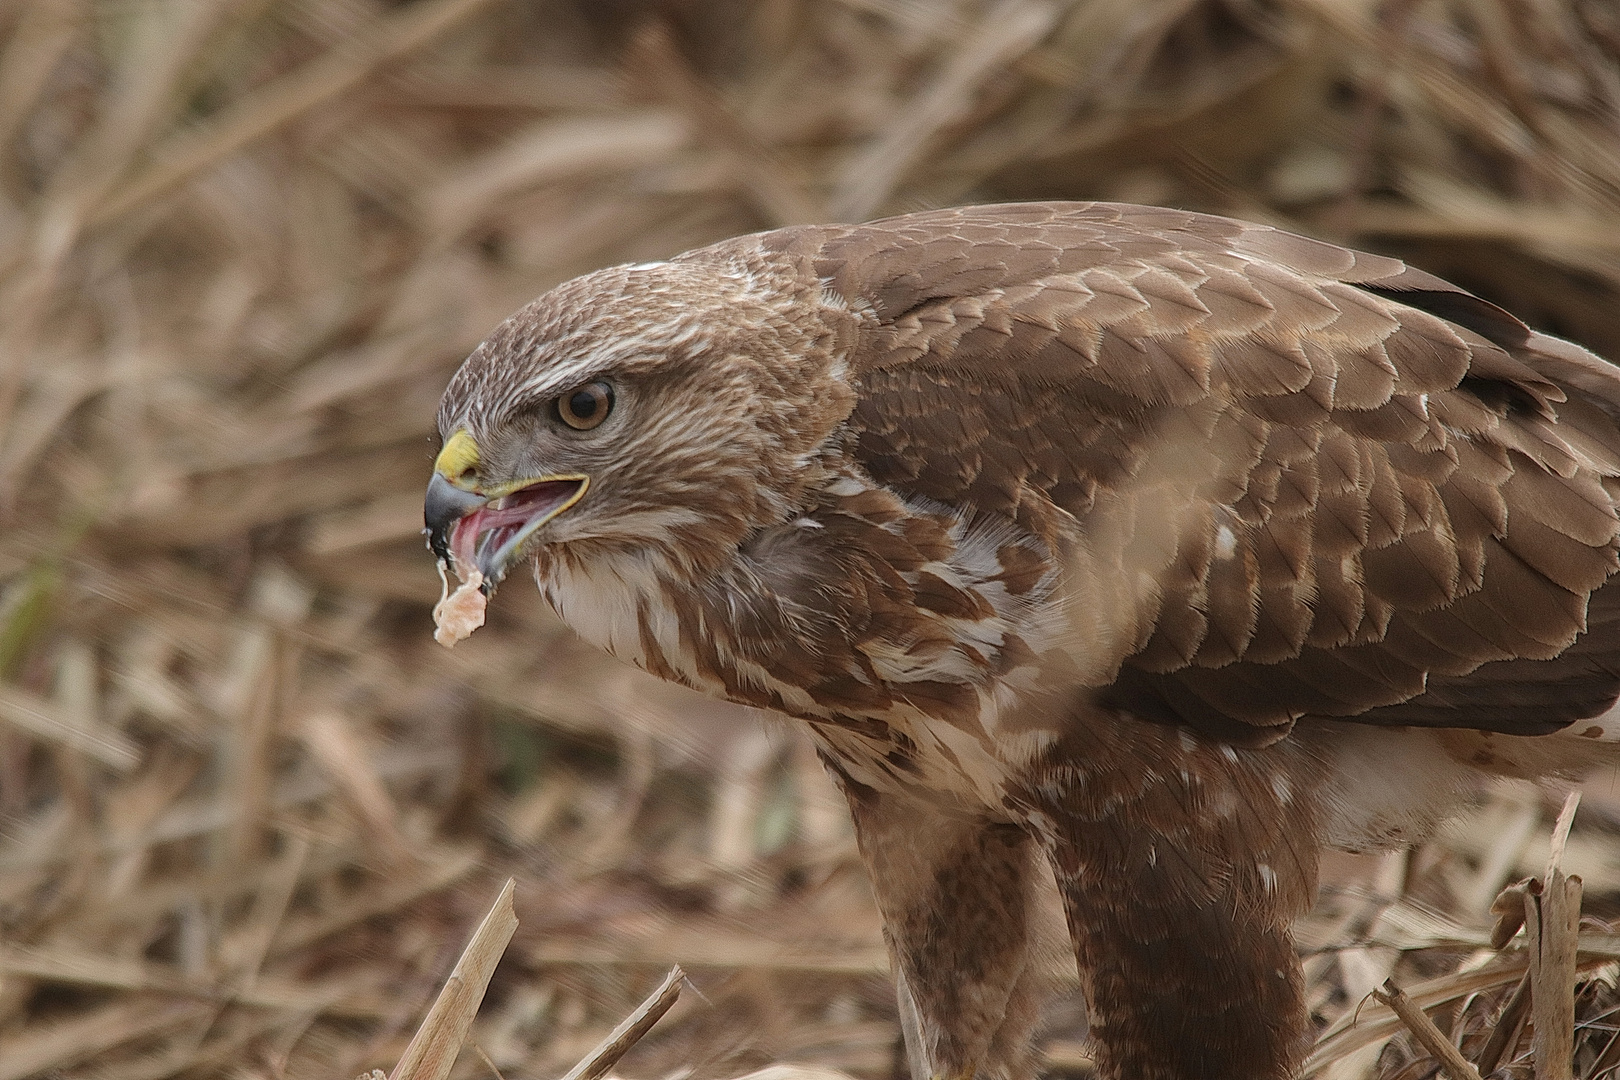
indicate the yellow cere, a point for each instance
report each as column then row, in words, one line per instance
column 460, row 453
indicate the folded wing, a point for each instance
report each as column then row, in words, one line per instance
column 1317, row 481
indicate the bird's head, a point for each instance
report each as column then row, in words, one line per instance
column 675, row 406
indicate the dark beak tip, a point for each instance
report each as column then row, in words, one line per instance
column 445, row 504
column 438, row 543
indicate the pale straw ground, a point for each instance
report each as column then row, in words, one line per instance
column 250, row 812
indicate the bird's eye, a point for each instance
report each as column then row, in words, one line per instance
column 586, row 407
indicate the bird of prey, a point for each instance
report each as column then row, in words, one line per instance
column 1158, row 548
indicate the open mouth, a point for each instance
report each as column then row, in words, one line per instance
column 487, row 534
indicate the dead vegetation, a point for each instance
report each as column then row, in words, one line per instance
column 249, row 811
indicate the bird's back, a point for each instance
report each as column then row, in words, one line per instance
column 1303, row 480
column 1118, row 532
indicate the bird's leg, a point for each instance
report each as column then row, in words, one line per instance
column 955, row 894
column 1195, row 992
column 1180, row 871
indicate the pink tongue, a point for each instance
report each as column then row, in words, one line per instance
column 464, row 544
column 521, row 508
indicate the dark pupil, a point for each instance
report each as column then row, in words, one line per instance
column 584, row 404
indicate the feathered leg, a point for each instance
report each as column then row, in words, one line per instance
column 955, row 895
column 1181, row 864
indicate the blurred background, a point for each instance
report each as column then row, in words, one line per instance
column 249, row 810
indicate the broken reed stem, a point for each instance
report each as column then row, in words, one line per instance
column 1551, row 919
column 1560, row 833
column 1452, row 1063
column 1552, row 914
column 1506, row 1032
column 1549, row 912
column 630, row 1029
column 1508, row 907
column 432, row 1052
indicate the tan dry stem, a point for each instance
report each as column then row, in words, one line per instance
column 432, row 1052
column 243, row 243
column 1452, row 1063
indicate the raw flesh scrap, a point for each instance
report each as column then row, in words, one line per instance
column 459, row 613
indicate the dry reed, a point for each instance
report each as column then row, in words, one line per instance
column 248, row 809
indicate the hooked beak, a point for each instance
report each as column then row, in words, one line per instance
column 472, row 525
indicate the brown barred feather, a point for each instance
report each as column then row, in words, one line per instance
column 1171, row 545
column 1169, row 319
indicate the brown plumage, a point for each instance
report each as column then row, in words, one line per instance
column 1164, row 545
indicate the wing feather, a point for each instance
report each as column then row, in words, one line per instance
column 1387, row 499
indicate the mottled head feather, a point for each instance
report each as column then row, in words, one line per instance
column 728, row 375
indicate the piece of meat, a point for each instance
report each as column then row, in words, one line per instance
column 458, row 614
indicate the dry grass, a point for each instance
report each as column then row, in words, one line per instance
column 249, row 811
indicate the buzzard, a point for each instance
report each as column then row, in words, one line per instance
column 1154, row 547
